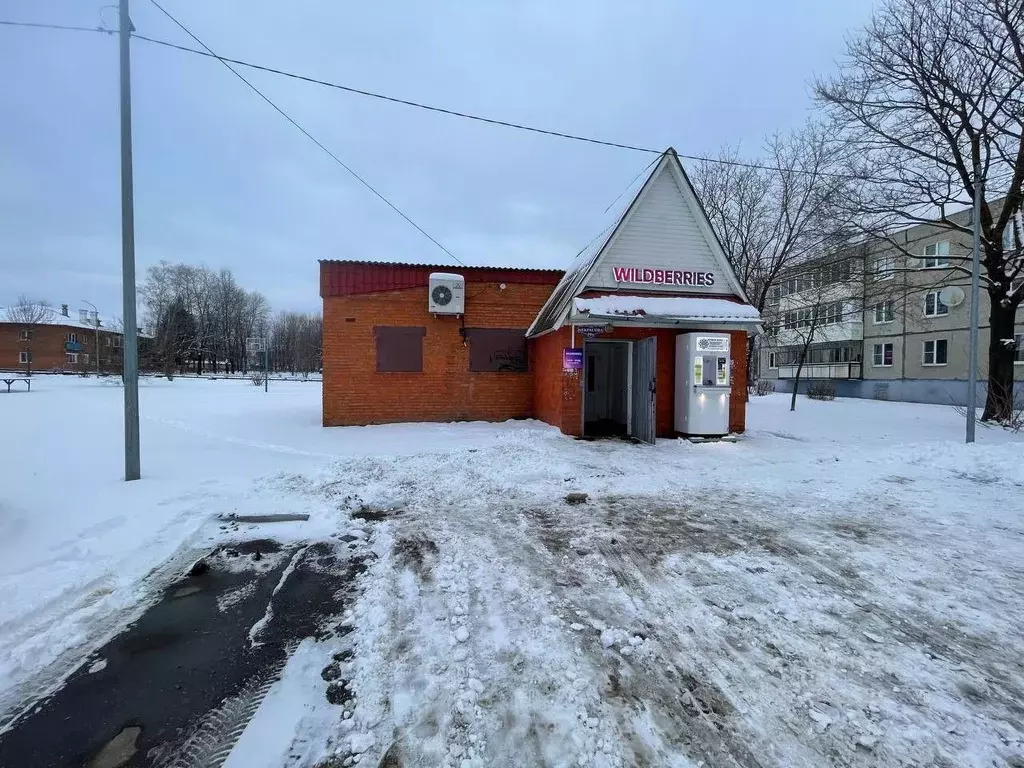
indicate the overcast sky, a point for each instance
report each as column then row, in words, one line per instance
column 223, row 180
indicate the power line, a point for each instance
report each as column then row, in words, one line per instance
column 66, row 27
column 469, row 116
column 306, row 133
column 495, row 121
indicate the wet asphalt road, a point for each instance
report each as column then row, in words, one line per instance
column 152, row 690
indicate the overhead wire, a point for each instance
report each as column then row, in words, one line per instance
column 227, row 61
column 65, row 27
column 308, row 135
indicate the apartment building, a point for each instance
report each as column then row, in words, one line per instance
column 58, row 341
column 897, row 328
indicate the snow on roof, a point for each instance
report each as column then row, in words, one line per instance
column 667, row 307
column 54, row 317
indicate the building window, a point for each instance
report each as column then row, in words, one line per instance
column 772, row 361
column 1008, row 237
column 24, row 357
column 497, row 350
column 25, row 335
column 884, row 267
column 936, row 255
column 71, row 358
column 934, row 352
column 399, row 348
column 882, row 355
column 83, row 359
column 1018, row 352
column 117, row 342
column 72, row 338
column 933, row 306
column 884, row 312
column 833, row 313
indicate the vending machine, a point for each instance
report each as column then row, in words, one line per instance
column 702, row 384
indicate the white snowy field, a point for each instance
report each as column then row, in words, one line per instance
column 844, row 586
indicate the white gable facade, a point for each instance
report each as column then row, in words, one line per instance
column 662, row 244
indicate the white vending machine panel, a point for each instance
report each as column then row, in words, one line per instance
column 703, row 385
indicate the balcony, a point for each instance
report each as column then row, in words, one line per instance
column 72, row 346
column 822, row 371
column 852, row 330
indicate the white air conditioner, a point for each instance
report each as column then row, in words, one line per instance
column 446, row 294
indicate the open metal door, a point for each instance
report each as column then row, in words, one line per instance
column 642, row 402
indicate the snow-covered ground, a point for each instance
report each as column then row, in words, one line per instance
column 843, row 586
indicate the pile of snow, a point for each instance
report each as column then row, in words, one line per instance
column 667, row 307
column 841, row 585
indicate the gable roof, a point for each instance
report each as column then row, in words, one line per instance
column 556, row 310
column 51, row 316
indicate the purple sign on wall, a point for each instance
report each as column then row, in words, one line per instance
column 572, row 359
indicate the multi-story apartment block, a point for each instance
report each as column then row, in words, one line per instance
column 895, row 327
column 58, row 341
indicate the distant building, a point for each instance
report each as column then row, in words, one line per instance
column 883, row 330
column 59, row 342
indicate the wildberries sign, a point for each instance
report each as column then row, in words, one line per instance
column 646, row 276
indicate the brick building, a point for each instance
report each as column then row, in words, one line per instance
column 592, row 350
column 58, row 341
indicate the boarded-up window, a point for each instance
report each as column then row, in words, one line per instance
column 399, row 348
column 497, row 349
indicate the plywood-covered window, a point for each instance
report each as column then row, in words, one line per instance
column 497, row 350
column 399, row 348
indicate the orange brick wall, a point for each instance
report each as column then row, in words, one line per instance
column 558, row 395
column 446, row 390
column 738, row 396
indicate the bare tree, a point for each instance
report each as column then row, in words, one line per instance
column 28, row 313
column 930, row 90
column 296, row 342
column 779, row 213
column 199, row 318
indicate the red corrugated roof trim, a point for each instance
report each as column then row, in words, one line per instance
column 345, row 278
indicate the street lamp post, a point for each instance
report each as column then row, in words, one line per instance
column 96, row 326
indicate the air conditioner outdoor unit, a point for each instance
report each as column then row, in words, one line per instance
column 447, row 294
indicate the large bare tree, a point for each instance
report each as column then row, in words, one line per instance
column 778, row 212
column 200, row 318
column 930, row 90
column 28, row 313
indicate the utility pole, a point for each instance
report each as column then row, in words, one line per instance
column 132, row 469
column 266, row 366
column 96, row 325
column 972, row 363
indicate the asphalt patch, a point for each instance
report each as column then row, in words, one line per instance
column 180, row 683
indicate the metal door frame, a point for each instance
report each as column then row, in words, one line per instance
column 629, row 382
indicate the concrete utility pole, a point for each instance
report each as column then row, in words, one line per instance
column 132, row 468
column 972, row 363
column 96, row 326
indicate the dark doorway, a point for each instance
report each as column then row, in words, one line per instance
column 606, row 389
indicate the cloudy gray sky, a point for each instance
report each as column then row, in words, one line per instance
column 223, row 180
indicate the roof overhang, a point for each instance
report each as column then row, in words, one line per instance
column 664, row 312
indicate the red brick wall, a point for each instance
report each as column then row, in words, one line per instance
column 558, row 396
column 557, row 393
column 446, row 390
column 738, row 396
column 47, row 347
